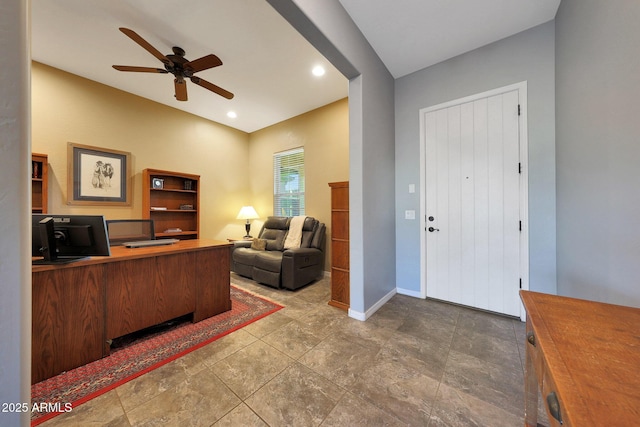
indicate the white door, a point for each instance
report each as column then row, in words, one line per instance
column 473, row 202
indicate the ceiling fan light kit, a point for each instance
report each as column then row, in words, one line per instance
column 177, row 65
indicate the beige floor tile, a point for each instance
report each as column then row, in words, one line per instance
column 377, row 335
column 297, row 397
column 495, row 384
column 268, row 324
column 241, row 415
column 454, row 408
column 146, row 387
column 104, row 410
column 248, row 369
column 488, row 348
column 198, row 401
column 293, row 339
column 399, row 390
column 226, row 346
column 354, row 412
column 426, row 356
column 341, row 358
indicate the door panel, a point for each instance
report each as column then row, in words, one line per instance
column 472, row 191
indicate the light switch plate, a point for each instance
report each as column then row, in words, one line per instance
column 410, row 214
column 412, row 188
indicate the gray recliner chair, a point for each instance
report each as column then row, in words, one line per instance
column 279, row 267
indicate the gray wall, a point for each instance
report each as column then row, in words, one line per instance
column 525, row 56
column 598, row 149
column 371, row 144
column 15, row 173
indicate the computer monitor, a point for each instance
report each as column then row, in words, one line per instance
column 61, row 239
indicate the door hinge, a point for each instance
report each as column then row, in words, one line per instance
column 519, row 225
column 520, row 283
column 519, row 167
column 518, row 109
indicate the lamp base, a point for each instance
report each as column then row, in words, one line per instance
column 247, row 227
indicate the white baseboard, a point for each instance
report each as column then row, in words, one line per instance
column 358, row 315
column 411, row 293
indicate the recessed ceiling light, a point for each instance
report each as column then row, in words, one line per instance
column 232, row 114
column 318, row 71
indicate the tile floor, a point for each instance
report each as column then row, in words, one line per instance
column 414, row 362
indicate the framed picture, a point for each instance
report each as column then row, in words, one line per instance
column 98, row 176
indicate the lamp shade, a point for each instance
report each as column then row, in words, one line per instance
column 247, row 212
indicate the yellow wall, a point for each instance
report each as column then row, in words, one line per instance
column 324, row 134
column 67, row 108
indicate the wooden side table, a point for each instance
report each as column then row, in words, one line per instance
column 585, row 358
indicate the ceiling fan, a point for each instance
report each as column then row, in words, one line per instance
column 177, row 65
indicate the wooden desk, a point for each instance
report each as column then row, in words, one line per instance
column 78, row 307
column 588, row 354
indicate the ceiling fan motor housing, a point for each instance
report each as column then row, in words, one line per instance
column 176, row 66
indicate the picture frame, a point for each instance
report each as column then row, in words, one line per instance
column 98, row 176
column 157, row 183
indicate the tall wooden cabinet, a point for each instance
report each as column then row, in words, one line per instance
column 39, row 183
column 339, row 244
column 172, row 201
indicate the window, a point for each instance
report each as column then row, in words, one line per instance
column 288, row 183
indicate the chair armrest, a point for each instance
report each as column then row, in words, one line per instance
column 299, row 258
column 299, row 252
column 236, row 245
column 301, row 266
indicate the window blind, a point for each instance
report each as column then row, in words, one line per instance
column 288, row 183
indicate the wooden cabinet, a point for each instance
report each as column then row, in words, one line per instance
column 339, row 244
column 68, row 309
column 39, row 183
column 172, row 201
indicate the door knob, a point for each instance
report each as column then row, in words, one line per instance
column 431, row 229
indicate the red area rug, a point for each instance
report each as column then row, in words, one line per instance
column 139, row 353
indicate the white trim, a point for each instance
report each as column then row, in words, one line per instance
column 470, row 98
column 423, row 205
column 524, row 194
column 358, row 315
column 524, row 183
column 410, row 293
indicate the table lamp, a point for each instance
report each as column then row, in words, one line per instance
column 248, row 213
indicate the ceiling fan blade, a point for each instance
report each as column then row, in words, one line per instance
column 145, row 45
column 181, row 89
column 203, row 63
column 140, row 69
column 213, row 88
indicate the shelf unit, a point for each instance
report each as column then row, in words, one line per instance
column 39, row 183
column 166, row 203
column 340, row 245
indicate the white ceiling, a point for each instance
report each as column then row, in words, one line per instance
column 266, row 63
column 409, row 35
